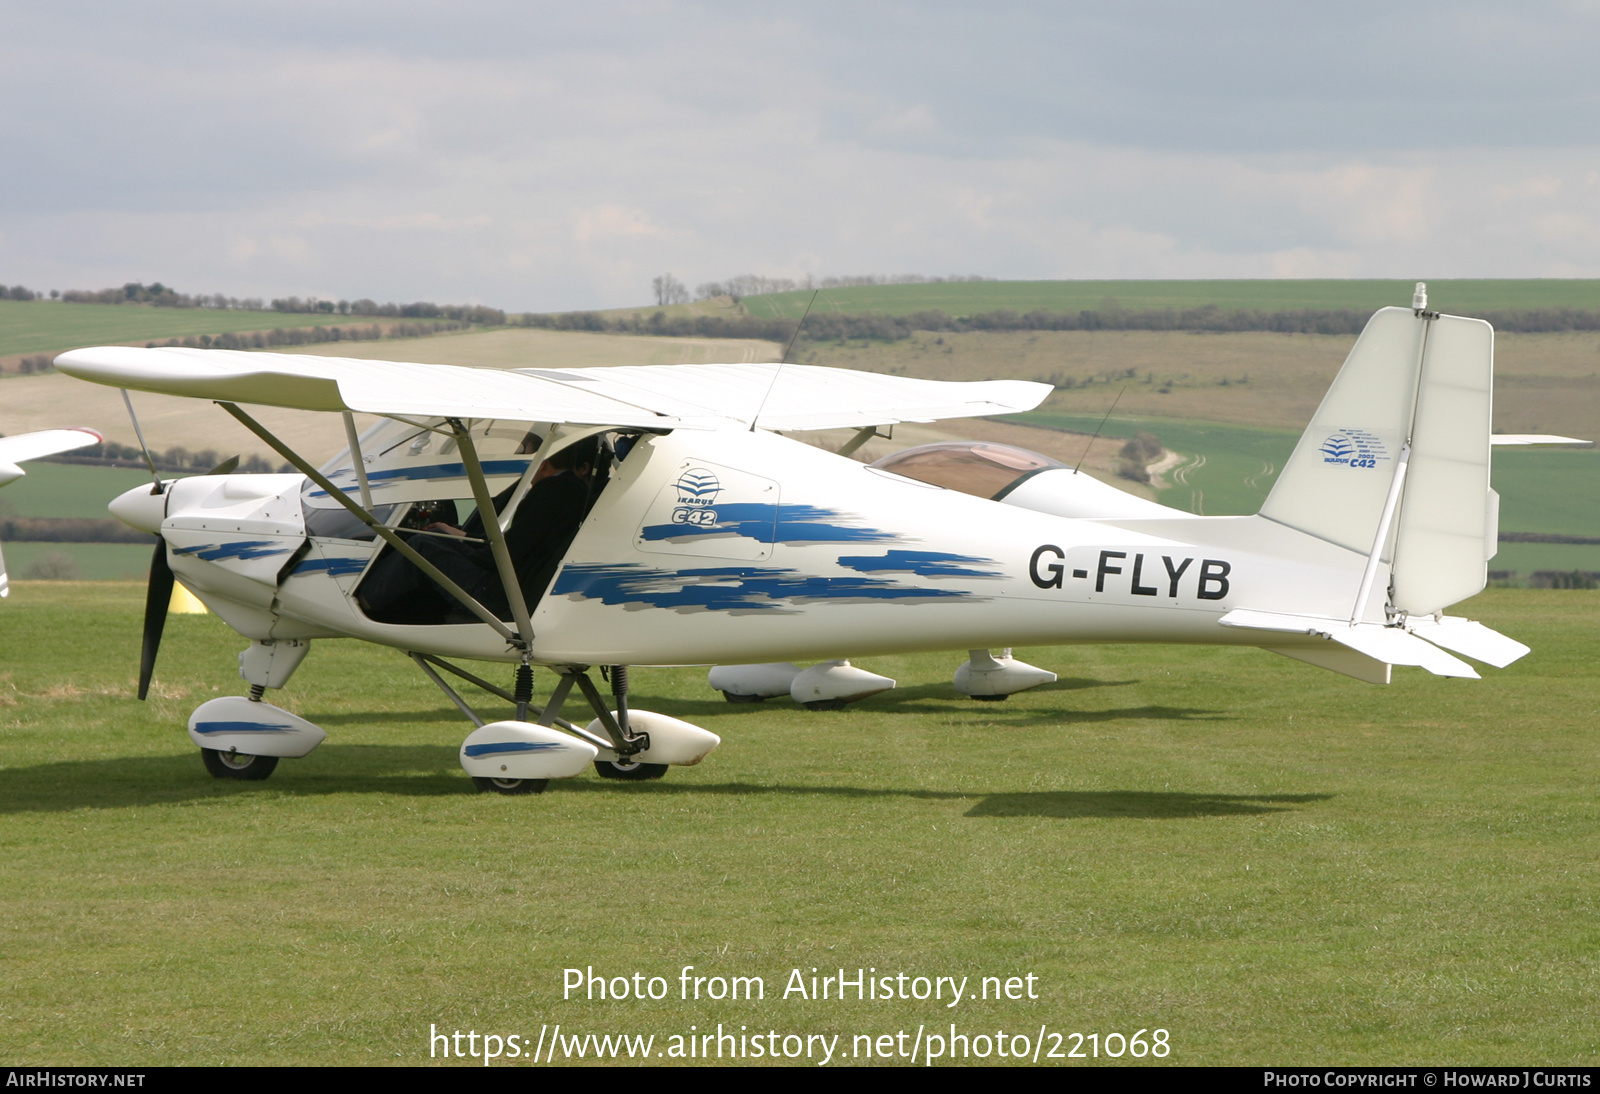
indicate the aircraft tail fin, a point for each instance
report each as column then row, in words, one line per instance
column 1400, row 446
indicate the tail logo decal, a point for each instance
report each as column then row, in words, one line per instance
column 1353, row 448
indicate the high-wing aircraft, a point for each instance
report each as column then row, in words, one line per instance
column 21, row 447
column 708, row 536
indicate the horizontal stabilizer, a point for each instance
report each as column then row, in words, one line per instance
column 1466, row 637
column 1391, row 645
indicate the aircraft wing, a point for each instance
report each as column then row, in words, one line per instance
column 803, row 397
column 45, row 442
column 646, row 396
column 31, row 446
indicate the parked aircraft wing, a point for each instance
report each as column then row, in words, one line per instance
column 1498, row 439
column 31, row 446
column 649, row 396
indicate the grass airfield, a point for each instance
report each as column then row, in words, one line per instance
column 1273, row 863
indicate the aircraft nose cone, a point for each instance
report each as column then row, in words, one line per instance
column 140, row 509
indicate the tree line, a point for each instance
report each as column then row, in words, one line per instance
column 669, row 290
column 871, row 326
column 158, row 295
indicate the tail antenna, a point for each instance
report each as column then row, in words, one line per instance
column 783, row 359
column 1098, row 428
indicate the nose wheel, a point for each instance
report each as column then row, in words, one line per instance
column 237, row 765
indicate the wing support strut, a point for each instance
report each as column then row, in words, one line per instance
column 382, row 531
column 493, row 532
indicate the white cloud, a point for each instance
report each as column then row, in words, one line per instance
column 539, row 157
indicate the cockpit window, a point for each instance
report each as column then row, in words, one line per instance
column 978, row 468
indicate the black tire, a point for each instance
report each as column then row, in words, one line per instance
column 732, row 698
column 629, row 772
column 989, row 698
column 236, row 765
column 826, row 704
column 511, row 786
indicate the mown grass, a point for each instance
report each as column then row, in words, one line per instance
column 971, row 297
column 39, row 326
column 1276, row 864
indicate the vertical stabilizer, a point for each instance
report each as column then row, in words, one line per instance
column 1413, row 379
column 1335, row 484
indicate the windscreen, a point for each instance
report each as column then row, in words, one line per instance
column 978, row 468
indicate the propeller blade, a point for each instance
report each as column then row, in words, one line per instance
column 156, row 599
column 226, row 467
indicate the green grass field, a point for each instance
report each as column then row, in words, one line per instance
column 44, row 327
column 87, row 561
column 970, row 297
column 1275, row 864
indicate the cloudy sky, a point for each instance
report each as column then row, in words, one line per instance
column 551, row 156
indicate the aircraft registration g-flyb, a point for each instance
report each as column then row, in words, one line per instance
column 708, row 536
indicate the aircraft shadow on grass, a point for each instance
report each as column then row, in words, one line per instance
column 433, row 771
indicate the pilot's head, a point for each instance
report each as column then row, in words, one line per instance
column 579, row 458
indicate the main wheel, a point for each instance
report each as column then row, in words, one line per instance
column 987, row 698
column 629, row 772
column 826, row 704
column 732, row 698
column 511, row 786
column 236, row 765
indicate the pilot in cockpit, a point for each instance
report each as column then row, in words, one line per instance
column 562, row 490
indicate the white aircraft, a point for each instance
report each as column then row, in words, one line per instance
column 21, row 447
column 714, row 538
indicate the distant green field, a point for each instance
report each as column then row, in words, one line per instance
column 970, row 297
column 45, row 327
column 88, row 561
column 1238, row 467
column 68, row 489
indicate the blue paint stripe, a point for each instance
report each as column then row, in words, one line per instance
column 425, row 473
column 497, row 747
column 731, row 588
column 241, row 727
column 772, row 524
column 333, row 567
column 244, row 550
column 921, row 563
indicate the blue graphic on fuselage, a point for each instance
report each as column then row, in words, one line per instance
column 242, row 727
column 737, row 589
column 494, row 748
column 333, row 567
column 921, row 563
column 771, row 524
column 244, row 550
column 423, row 473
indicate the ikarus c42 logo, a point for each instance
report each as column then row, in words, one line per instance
column 697, row 489
column 1353, row 448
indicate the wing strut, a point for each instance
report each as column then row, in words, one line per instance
column 385, row 533
column 492, row 530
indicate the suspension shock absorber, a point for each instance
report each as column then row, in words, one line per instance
column 619, row 691
column 522, row 691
